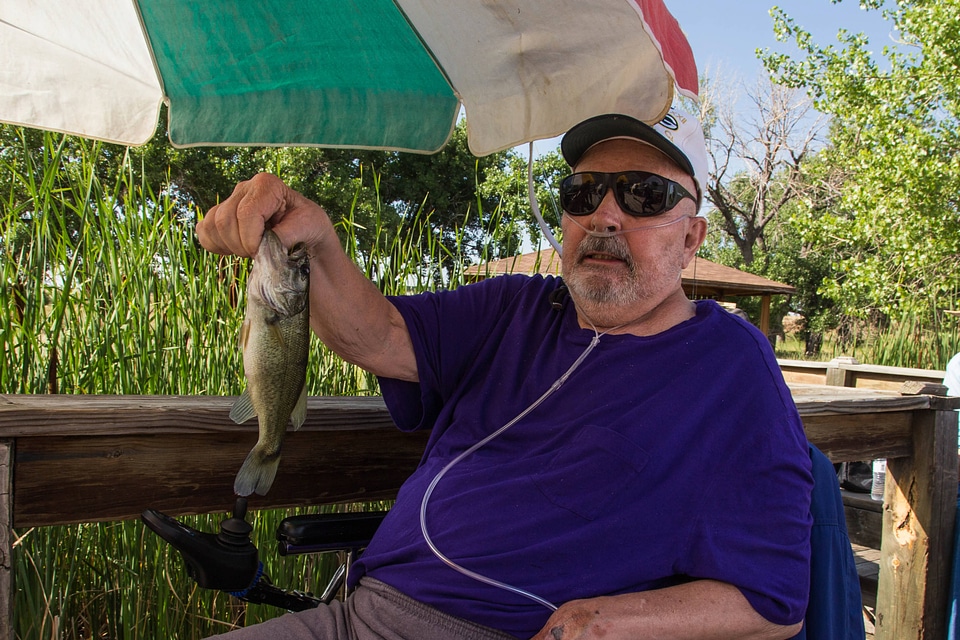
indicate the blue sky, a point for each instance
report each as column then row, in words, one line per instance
column 725, row 33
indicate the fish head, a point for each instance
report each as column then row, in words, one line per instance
column 280, row 277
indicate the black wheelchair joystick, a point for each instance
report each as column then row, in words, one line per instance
column 227, row 561
column 235, row 531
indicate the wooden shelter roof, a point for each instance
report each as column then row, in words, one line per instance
column 701, row 278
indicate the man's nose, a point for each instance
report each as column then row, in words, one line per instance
column 608, row 216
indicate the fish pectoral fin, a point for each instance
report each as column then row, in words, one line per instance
column 274, row 328
column 299, row 413
column 242, row 409
column 244, row 334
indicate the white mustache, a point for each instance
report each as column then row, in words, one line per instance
column 604, row 244
column 610, row 234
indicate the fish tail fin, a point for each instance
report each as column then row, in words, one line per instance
column 257, row 472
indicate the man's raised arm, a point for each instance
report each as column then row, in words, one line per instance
column 347, row 311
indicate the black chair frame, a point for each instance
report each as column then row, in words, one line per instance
column 229, row 561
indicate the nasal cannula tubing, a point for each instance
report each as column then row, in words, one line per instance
column 619, row 232
column 436, row 480
column 536, row 403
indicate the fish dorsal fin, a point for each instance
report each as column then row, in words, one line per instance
column 299, row 413
column 243, row 408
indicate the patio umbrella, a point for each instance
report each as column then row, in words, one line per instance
column 375, row 74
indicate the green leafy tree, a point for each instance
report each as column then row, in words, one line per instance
column 440, row 195
column 510, row 186
column 760, row 140
column 366, row 193
column 893, row 229
column 466, row 205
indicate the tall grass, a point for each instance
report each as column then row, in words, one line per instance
column 106, row 291
column 909, row 342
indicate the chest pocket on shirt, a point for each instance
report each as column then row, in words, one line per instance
column 595, row 467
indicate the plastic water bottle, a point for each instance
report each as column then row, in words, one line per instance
column 879, row 479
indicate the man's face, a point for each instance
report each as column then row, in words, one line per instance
column 633, row 272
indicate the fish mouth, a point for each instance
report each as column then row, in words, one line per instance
column 270, row 248
column 279, row 278
column 272, row 251
column 298, row 253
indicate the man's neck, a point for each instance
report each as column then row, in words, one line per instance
column 644, row 319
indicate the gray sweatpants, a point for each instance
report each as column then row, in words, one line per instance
column 374, row 611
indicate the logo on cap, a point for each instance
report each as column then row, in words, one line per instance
column 669, row 122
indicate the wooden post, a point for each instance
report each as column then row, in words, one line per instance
column 6, row 540
column 919, row 507
column 765, row 315
column 837, row 374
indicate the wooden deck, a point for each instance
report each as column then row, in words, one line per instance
column 70, row 459
column 868, row 568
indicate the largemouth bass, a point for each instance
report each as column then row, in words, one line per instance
column 275, row 338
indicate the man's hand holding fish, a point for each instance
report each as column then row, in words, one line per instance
column 347, row 311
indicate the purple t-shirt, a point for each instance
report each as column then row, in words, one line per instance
column 662, row 459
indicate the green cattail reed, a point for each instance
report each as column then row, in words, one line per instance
column 106, row 291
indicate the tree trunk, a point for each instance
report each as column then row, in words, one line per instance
column 814, row 342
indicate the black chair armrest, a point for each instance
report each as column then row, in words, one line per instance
column 327, row 531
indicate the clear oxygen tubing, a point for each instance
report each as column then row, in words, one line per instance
column 436, row 480
column 536, row 403
column 532, row 196
column 619, row 232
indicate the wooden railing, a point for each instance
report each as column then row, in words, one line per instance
column 69, row 459
column 848, row 372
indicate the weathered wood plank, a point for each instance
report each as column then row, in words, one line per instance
column 850, row 373
column 866, row 559
column 920, row 387
column 63, row 480
column 872, row 376
column 180, row 453
column 39, row 415
column 864, row 525
column 855, row 436
column 793, row 376
column 6, row 541
column 63, row 415
column 918, row 519
column 803, row 371
column 815, row 399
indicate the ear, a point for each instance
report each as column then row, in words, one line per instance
column 696, row 234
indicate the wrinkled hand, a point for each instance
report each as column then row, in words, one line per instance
column 574, row 620
column 236, row 225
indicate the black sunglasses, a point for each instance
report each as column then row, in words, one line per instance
column 639, row 193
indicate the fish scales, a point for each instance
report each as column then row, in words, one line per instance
column 275, row 338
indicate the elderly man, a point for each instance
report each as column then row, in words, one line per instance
column 608, row 459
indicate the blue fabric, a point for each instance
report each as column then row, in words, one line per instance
column 953, row 615
column 662, row 459
column 835, row 610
